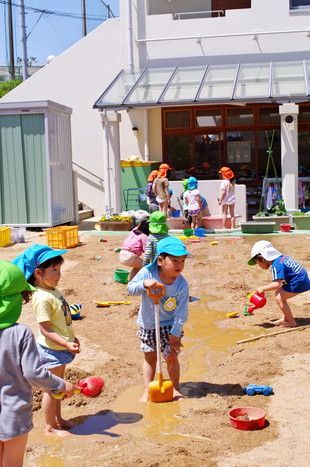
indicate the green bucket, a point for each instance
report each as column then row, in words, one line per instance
column 188, row 232
column 121, row 275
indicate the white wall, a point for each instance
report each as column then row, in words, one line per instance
column 211, row 189
column 265, row 15
column 76, row 78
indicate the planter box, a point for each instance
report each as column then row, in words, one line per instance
column 115, row 226
column 256, row 227
column 277, row 219
column 301, row 222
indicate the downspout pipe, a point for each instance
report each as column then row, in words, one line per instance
column 129, row 36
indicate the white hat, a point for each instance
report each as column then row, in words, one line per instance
column 265, row 249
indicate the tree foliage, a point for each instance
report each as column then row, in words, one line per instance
column 7, row 86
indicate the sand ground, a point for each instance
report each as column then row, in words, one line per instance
column 115, row 429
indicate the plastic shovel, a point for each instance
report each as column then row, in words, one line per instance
column 160, row 390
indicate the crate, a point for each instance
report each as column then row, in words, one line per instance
column 5, row 236
column 63, row 237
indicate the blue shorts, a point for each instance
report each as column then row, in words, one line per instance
column 52, row 358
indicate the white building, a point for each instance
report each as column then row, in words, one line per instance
column 205, row 83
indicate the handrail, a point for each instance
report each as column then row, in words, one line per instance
column 232, row 34
column 188, row 13
column 88, row 171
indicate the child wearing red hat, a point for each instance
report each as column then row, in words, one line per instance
column 161, row 188
column 227, row 198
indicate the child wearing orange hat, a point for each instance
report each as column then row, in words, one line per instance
column 150, row 195
column 227, row 198
column 161, row 188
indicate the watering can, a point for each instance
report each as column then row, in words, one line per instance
column 258, row 301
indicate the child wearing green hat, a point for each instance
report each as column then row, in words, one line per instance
column 21, row 368
column 158, row 230
column 165, row 270
column 56, row 341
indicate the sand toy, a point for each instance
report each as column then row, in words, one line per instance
column 109, row 303
column 91, row 386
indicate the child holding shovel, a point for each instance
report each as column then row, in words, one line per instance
column 56, row 342
column 289, row 278
column 165, row 270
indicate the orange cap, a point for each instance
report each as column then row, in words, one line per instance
column 163, row 169
column 227, row 173
column 152, row 176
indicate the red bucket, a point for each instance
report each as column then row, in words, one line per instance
column 285, row 227
column 247, row 418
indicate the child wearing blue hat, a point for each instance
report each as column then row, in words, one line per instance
column 56, row 341
column 165, row 270
column 21, row 368
column 193, row 201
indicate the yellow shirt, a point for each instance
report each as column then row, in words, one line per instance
column 49, row 305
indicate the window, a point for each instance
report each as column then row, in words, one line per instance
column 209, row 118
column 299, row 4
column 178, row 119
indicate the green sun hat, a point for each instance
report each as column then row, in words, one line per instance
column 158, row 223
column 12, row 284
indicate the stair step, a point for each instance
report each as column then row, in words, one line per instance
column 85, row 214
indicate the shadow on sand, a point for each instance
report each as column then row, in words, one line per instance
column 102, row 421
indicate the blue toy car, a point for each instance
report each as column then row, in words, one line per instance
column 252, row 389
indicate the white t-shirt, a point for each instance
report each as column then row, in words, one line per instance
column 229, row 189
column 190, row 196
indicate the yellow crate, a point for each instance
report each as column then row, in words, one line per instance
column 63, row 237
column 5, row 236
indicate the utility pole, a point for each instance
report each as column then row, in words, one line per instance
column 11, row 40
column 23, row 36
column 84, row 17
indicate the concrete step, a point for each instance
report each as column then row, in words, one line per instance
column 85, row 214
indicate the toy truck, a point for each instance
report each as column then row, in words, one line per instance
column 252, row 389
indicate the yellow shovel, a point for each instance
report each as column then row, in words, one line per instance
column 109, row 303
column 160, row 390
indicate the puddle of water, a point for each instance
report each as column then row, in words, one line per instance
column 47, row 461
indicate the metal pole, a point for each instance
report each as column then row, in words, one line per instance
column 84, row 17
column 23, row 36
column 11, row 40
column 129, row 35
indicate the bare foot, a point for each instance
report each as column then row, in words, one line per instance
column 279, row 322
column 145, row 396
column 56, row 432
column 287, row 325
column 177, row 395
column 64, row 424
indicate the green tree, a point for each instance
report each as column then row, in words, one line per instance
column 7, row 86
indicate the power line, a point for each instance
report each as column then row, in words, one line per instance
column 108, row 8
column 57, row 13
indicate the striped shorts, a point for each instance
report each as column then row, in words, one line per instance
column 148, row 340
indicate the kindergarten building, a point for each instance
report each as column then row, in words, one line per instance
column 198, row 85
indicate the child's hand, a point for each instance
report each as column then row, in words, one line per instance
column 260, row 290
column 73, row 347
column 77, row 342
column 70, row 390
column 175, row 343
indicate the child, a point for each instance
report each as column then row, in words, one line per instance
column 56, row 341
column 289, row 278
column 161, row 188
column 193, row 201
column 20, row 366
column 150, row 195
column 133, row 247
column 158, row 230
column 166, row 269
column 227, row 198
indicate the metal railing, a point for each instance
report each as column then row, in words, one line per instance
column 199, row 14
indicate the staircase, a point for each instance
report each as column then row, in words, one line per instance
column 84, row 212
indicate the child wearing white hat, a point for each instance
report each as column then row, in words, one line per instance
column 289, row 278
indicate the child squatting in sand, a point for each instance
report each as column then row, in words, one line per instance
column 289, row 278
column 165, row 270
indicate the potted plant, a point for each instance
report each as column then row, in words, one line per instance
column 277, row 213
column 301, row 220
column 115, row 222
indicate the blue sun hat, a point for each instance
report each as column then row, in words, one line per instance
column 12, row 284
column 35, row 255
column 192, row 183
column 171, row 246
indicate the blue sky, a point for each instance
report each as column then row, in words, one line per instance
column 51, row 34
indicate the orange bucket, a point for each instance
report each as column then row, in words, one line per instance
column 285, row 227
